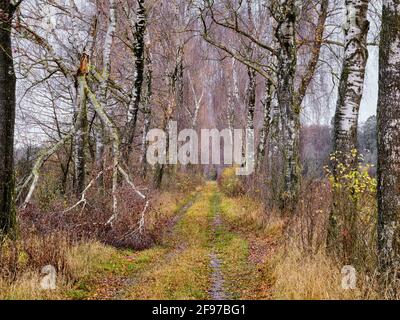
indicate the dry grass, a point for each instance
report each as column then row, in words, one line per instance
column 289, row 253
column 77, row 263
column 301, row 267
column 302, row 277
column 81, row 260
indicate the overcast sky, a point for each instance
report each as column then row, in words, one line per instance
column 370, row 96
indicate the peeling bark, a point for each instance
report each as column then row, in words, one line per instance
column 389, row 139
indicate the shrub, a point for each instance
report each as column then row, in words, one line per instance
column 353, row 208
column 230, row 183
column 31, row 253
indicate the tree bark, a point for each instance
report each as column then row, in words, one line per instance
column 100, row 132
column 81, row 140
column 341, row 233
column 7, row 123
column 251, row 105
column 352, row 77
column 267, row 103
column 138, row 52
column 290, row 110
column 389, row 139
column 233, row 99
column 147, row 113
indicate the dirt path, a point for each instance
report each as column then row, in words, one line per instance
column 116, row 286
column 217, row 291
column 203, row 256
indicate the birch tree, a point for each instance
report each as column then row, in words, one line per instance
column 251, row 104
column 233, row 99
column 352, row 77
column 108, row 42
column 81, row 139
column 138, row 52
column 285, row 33
column 389, row 139
column 351, row 85
column 146, row 111
column 7, row 121
column 277, row 64
column 266, row 124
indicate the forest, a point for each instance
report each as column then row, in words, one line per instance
column 199, row 149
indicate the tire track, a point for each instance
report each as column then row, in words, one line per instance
column 217, row 290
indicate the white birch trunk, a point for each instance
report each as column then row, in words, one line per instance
column 266, row 125
column 107, row 47
column 138, row 52
column 352, row 78
column 346, row 119
column 147, row 113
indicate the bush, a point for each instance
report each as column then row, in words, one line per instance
column 354, row 211
column 230, row 183
column 31, row 253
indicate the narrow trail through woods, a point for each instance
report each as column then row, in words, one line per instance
column 217, row 291
column 204, row 255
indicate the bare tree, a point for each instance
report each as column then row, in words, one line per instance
column 276, row 61
column 285, row 33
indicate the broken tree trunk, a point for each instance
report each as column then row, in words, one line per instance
column 81, row 139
